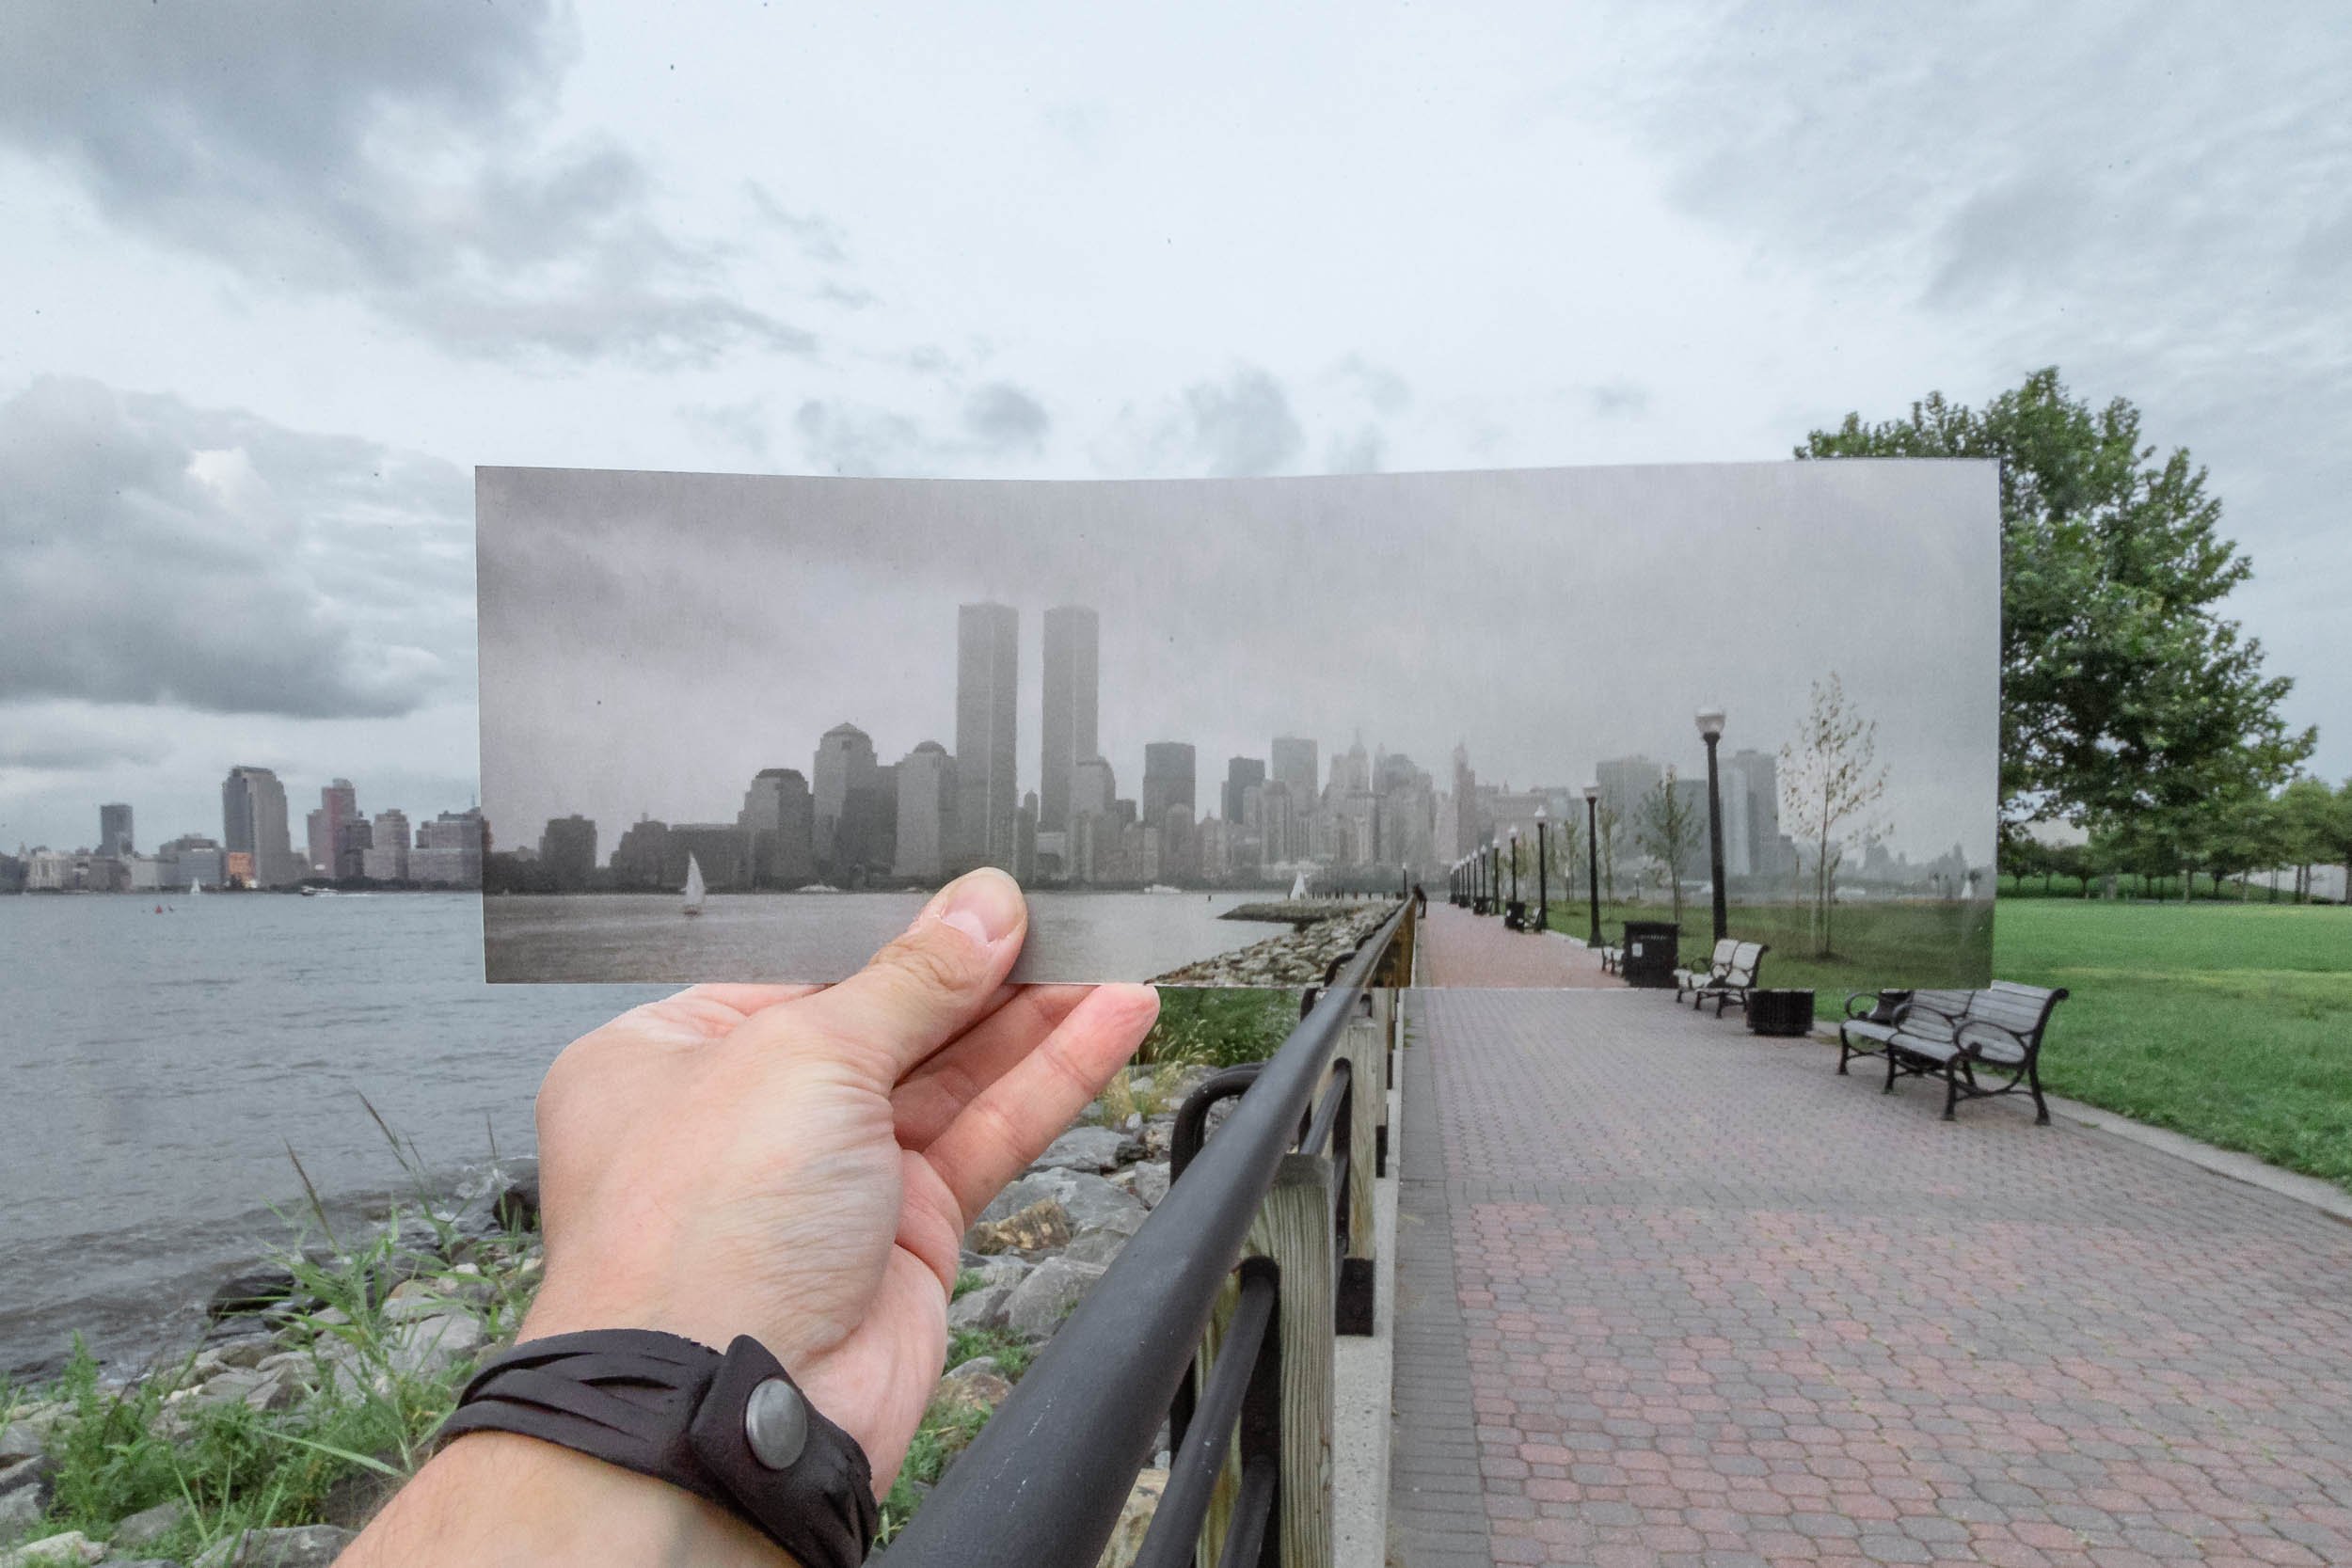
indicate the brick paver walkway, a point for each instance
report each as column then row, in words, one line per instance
column 1669, row 1294
column 1459, row 948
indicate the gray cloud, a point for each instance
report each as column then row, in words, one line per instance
column 1388, row 393
column 154, row 552
column 1619, row 399
column 394, row 152
column 1004, row 418
column 867, row 442
column 55, row 752
column 1241, row 427
column 1358, row 454
column 819, row 237
column 2152, row 197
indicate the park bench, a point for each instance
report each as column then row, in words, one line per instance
column 1729, row 975
column 1952, row 1033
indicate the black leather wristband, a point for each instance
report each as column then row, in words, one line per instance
column 734, row 1428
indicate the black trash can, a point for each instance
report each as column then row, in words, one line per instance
column 1780, row 1012
column 1650, row 948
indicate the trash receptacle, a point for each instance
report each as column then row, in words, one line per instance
column 1650, row 948
column 1780, row 1012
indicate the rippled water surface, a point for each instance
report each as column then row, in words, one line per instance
column 157, row 1067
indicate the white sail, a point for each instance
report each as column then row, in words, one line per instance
column 1298, row 887
column 196, row 887
column 693, row 885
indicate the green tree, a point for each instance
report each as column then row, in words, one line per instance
column 1829, row 780
column 2124, row 690
column 1669, row 830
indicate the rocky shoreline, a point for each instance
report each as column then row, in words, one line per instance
column 311, row 1350
column 1298, row 958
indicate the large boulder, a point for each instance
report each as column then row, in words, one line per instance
column 1087, row 1148
column 264, row 1288
column 299, row 1546
column 1040, row 1302
column 1147, row 1182
column 21, row 1441
column 149, row 1523
column 1092, row 1203
column 21, row 1509
column 71, row 1549
column 1135, row 1519
column 423, row 1346
column 984, row 1308
column 1017, row 1195
column 32, row 1473
column 1040, row 1226
column 978, row 1382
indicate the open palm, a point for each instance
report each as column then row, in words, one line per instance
column 800, row 1164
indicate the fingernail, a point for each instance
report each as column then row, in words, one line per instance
column 985, row 905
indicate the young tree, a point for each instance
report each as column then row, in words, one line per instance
column 2306, row 809
column 1829, row 782
column 2123, row 688
column 1669, row 830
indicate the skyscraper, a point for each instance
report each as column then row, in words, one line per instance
column 1240, row 773
column 386, row 858
column 780, row 817
column 987, row 691
column 253, row 825
column 1168, row 769
column 845, row 761
column 567, row 851
column 1298, row 765
column 114, row 831
column 1073, row 635
column 927, row 813
column 339, row 803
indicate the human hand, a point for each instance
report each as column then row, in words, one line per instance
column 800, row 1163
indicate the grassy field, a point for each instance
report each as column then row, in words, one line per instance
column 2231, row 1023
column 1876, row 944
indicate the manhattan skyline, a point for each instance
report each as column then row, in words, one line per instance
column 651, row 641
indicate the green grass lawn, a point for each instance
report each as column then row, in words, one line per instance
column 2232, row 1023
column 1875, row 944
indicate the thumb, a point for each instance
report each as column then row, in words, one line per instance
column 930, row 984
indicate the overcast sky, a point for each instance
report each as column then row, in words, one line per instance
column 279, row 276
column 651, row 641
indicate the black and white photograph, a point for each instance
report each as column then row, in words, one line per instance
column 741, row 726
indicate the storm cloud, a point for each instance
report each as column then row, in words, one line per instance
column 401, row 153
column 155, row 552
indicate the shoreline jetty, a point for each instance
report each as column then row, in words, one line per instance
column 1300, row 957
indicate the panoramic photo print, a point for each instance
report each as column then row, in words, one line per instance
column 740, row 727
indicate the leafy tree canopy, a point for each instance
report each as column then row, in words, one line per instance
column 2126, row 695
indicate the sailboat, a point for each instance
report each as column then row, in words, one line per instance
column 1298, row 886
column 693, row 886
column 196, row 887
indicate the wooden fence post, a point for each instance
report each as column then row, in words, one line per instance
column 1294, row 1229
column 1362, row 1047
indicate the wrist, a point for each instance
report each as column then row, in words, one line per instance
column 495, row 1497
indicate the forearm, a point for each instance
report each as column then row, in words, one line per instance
column 497, row 1499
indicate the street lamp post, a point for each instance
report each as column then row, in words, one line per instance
column 1494, row 878
column 1515, row 866
column 1710, row 722
column 1543, row 869
column 1592, row 853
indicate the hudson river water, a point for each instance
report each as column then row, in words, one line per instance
column 157, row 1067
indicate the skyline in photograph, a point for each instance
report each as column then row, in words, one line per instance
column 1226, row 615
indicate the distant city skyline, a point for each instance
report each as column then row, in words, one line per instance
column 651, row 641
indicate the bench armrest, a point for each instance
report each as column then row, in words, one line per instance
column 1978, row 1026
column 1869, row 1000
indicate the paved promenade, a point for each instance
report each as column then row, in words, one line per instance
column 1459, row 948
column 1672, row 1294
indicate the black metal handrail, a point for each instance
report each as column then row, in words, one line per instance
column 1042, row 1486
column 1249, row 1360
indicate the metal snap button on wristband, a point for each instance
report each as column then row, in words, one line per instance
column 775, row 1423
